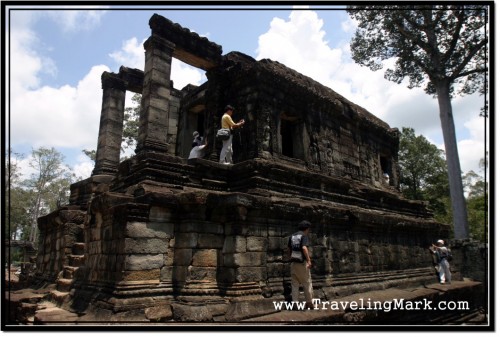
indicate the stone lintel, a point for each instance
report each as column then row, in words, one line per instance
column 133, row 79
column 189, row 47
column 112, row 81
column 157, row 42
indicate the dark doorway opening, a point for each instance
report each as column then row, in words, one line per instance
column 287, row 132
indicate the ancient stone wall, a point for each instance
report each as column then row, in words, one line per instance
column 168, row 229
column 203, row 237
column 61, row 236
column 470, row 258
column 290, row 118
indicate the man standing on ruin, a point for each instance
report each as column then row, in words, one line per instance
column 300, row 267
column 226, row 154
column 443, row 255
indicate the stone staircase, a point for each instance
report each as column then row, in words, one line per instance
column 76, row 259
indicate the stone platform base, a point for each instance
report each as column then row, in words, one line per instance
column 462, row 302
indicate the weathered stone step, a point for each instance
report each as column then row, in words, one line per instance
column 59, row 297
column 64, row 284
column 76, row 260
column 69, row 272
column 22, row 305
column 51, row 314
column 78, row 248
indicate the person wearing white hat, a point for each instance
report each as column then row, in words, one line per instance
column 197, row 139
column 443, row 255
column 198, row 146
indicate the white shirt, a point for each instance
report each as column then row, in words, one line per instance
column 197, row 152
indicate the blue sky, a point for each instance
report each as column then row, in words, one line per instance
column 58, row 55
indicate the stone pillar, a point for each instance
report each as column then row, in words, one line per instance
column 153, row 121
column 111, row 125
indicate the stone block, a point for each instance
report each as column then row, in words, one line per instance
column 234, row 229
column 201, row 227
column 168, row 257
column 245, row 259
column 234, row 244
column 143, row 262
column 146, row 246
column 276, row 243
column 256, row 244
column 191, row 313
column 202, row 273
column 256, row 230
column 240, row 310
column 153, row 229
column 183, row 257
column 186, row 240
column 141, row 275
column 179, row 274
column 166, row 274
column 226, row 275
column 159, row 313
column 250, row 274
column 162, row 91
column 277, row 231
column 95, row 234
column 205, row 257
column 275, row 269
column 161, row 76
column 172, row 128
column 210, row 241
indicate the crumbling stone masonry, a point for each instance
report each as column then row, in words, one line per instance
column 200, row 241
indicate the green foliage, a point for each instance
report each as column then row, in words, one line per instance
column 423, row 173
column 16, row 199
column 44, row 191
column 17, row 214
column 131, row 123
column 424, row 177
column 477, row 208
column 90, row 153
column 477, row 203
column 130, row 128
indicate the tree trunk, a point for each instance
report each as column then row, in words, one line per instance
column 34, row 220
column 459, row 208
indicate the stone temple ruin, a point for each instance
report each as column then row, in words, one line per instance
column 167, row 240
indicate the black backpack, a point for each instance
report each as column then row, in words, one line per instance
column 295, row 243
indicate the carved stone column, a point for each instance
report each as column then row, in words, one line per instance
column 153, row 121
column 111, row 125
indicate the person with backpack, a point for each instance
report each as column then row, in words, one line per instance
column 443, row 256
column 300, row 263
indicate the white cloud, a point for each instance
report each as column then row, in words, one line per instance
column 183, row 74
column 301, row 43
column 25, row 64
column 83, row 168
column 66, row 116
column 349, row 25
column 472, row 150
column 76, row 20
column 61, row 117
column 132, row 55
